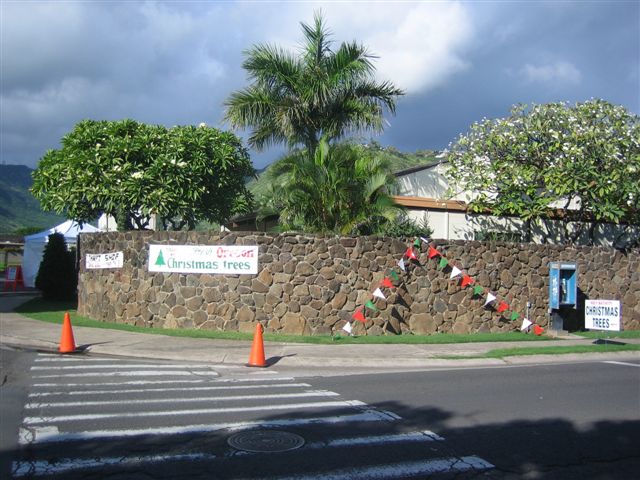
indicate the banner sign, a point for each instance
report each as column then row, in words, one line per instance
column 216, row 259
column 104, row 260
column 602, row 315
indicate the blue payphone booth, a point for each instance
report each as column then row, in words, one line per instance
column 563, row 290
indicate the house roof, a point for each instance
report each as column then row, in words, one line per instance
column 419, row 168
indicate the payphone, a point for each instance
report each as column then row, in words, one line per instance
column 563, row 290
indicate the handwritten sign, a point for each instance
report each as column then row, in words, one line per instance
column 104, row 260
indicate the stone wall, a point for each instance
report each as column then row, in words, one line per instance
column 312, row 284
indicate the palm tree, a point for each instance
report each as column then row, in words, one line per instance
column 337, row 188
column 297, row 99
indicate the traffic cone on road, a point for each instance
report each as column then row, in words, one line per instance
column 256, row 358
column 67, row 343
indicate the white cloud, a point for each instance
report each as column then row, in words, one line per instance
column 558, row 72
column 419, row 45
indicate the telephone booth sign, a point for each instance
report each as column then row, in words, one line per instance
column 563, row 285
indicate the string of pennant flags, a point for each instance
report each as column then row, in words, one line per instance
column 465, row 280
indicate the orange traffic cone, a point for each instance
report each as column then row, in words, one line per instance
column 67, row 343
column 256, row 359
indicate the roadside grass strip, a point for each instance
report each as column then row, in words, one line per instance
column 550, row 350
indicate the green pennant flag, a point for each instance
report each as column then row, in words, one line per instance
column 394, row 275
column 514, row 315
column 477, row 290
column 443, row 263
column 416, row 243
column 370, row 305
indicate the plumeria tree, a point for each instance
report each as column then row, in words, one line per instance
column 582, row 159
column 132, row 170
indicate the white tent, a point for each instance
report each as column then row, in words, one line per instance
column 34, row 247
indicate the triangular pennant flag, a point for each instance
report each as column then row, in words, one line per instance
column 416, row 243
column 490, row 298
column 370, row 305
column 410, row 254
column 443, row 263
column 378, row 293
column 347, row 327
column 432, row 252
column 514, row 316
column 394, row 275
column 502, row 306
column 358, row 315
column 425, row 240
column 525, row 325
column 477, row 290
column 401, row 265
column 537, row 330
column 455, row 271
column 466, row 280
column 386, row 283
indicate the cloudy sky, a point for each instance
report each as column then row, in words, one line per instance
column 174, row 63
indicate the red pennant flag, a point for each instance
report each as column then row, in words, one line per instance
column 358, row 315
column 537, row 330
column 502, row 306
column 433, row 252
column 466, row 280
column 410, row 254
column 386, row 283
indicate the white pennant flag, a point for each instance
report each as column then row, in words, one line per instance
column 378, row 293
column 490, row 298
column 525, row 325
column 425, row 240
column 401, row 265
column 347, row 327
column 455, row 271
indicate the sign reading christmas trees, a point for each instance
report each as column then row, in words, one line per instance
column 214, row 259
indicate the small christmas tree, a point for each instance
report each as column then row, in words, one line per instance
column 57, row 277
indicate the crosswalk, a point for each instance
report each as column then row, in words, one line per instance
column 94, row 417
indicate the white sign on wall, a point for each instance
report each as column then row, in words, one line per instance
column 602, row 315
column 104, row 260
column 215, row 259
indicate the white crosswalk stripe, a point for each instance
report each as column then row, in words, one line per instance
column 188, row 414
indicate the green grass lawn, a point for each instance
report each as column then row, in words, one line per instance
column 53, row 312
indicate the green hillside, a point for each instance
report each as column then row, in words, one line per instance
column 399, row 161
column 18, row 208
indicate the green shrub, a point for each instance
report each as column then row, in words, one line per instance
column 57, row 277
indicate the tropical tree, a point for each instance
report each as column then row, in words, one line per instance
column 132, row 170
column 338, row 188
column 57, row 278
column 296, row 99
column 582, row 159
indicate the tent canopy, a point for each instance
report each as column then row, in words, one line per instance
column 34, row 246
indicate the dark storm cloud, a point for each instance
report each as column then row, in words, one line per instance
column 176, row 62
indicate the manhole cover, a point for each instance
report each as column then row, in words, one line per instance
column 265, row 441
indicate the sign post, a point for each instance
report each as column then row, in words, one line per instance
column 13, row 277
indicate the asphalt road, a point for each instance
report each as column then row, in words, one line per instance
column 97, row 417
column 572, row 421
